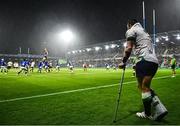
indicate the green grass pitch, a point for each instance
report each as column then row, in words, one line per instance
column 82, row 98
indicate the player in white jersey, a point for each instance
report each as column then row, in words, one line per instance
column 146, row 67
column 45, row 53
column 32, row 66
column 9, row 65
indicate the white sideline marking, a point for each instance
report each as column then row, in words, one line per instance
column 71, row 91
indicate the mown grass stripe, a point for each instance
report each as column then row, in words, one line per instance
column 72, row 91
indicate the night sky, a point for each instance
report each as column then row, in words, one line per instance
column 36, row 23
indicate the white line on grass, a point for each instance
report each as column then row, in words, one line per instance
column 71, row 91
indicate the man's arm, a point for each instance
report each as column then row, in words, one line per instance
column 127, row 53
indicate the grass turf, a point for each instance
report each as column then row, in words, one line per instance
column 84, row 107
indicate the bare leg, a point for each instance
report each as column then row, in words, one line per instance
column 144, row 86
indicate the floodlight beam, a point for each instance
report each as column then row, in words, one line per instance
column 67, row 36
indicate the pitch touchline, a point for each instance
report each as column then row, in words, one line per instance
column 71, row 91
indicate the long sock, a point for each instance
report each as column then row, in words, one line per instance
column 19, row 71
column 152, row 93
column 147, row 99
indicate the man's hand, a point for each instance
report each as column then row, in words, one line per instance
column 122, row 65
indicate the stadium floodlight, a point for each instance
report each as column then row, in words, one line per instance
column 178, row 37
column 157, row 39
column 125, row 44
column 113, row 46
column 80, row 51
column 88, row 49
column 172, row 42
column 97, row 48
column 67, row 36
column 166, row 39
column 106, row 47
column 73, row 52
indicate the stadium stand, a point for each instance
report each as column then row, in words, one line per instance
column 167, row 44
column 111, row 52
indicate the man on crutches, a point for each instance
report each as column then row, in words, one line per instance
column 146, row 68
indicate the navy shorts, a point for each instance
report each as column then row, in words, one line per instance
column 146, row 68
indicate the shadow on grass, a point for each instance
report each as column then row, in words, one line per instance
column 124, row 117
column 140, row 121
column 162, row 122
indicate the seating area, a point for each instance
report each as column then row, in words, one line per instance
column 166, row 45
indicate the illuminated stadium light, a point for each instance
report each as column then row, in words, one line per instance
column 88, row 49
column 67, row 36
column 113, row 46
column 69, row 52
column 166, row 38
column 125, row 44
column 73, row 52
column 178, row 37
column 97, row 48
column 106, row 47
column 172, row 42
column 80, row 51
column 157, row 39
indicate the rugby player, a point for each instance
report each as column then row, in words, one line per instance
column 24, row 67
column 146, row 68
column 70, row 65
column 85, row 66
column 173, row 66
column 32, row 66
column 3, row 66
column 40, row 66
column 45, row 54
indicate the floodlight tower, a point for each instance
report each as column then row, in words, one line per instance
column 154, row 25
column 20, row 50
column 154, row 30
column 144, row 18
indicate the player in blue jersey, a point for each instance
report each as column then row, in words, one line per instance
column 40, row 66
column 46, row 66
column 24, row 67
column 70, row 65
column 3, row 66
column 28, row 65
